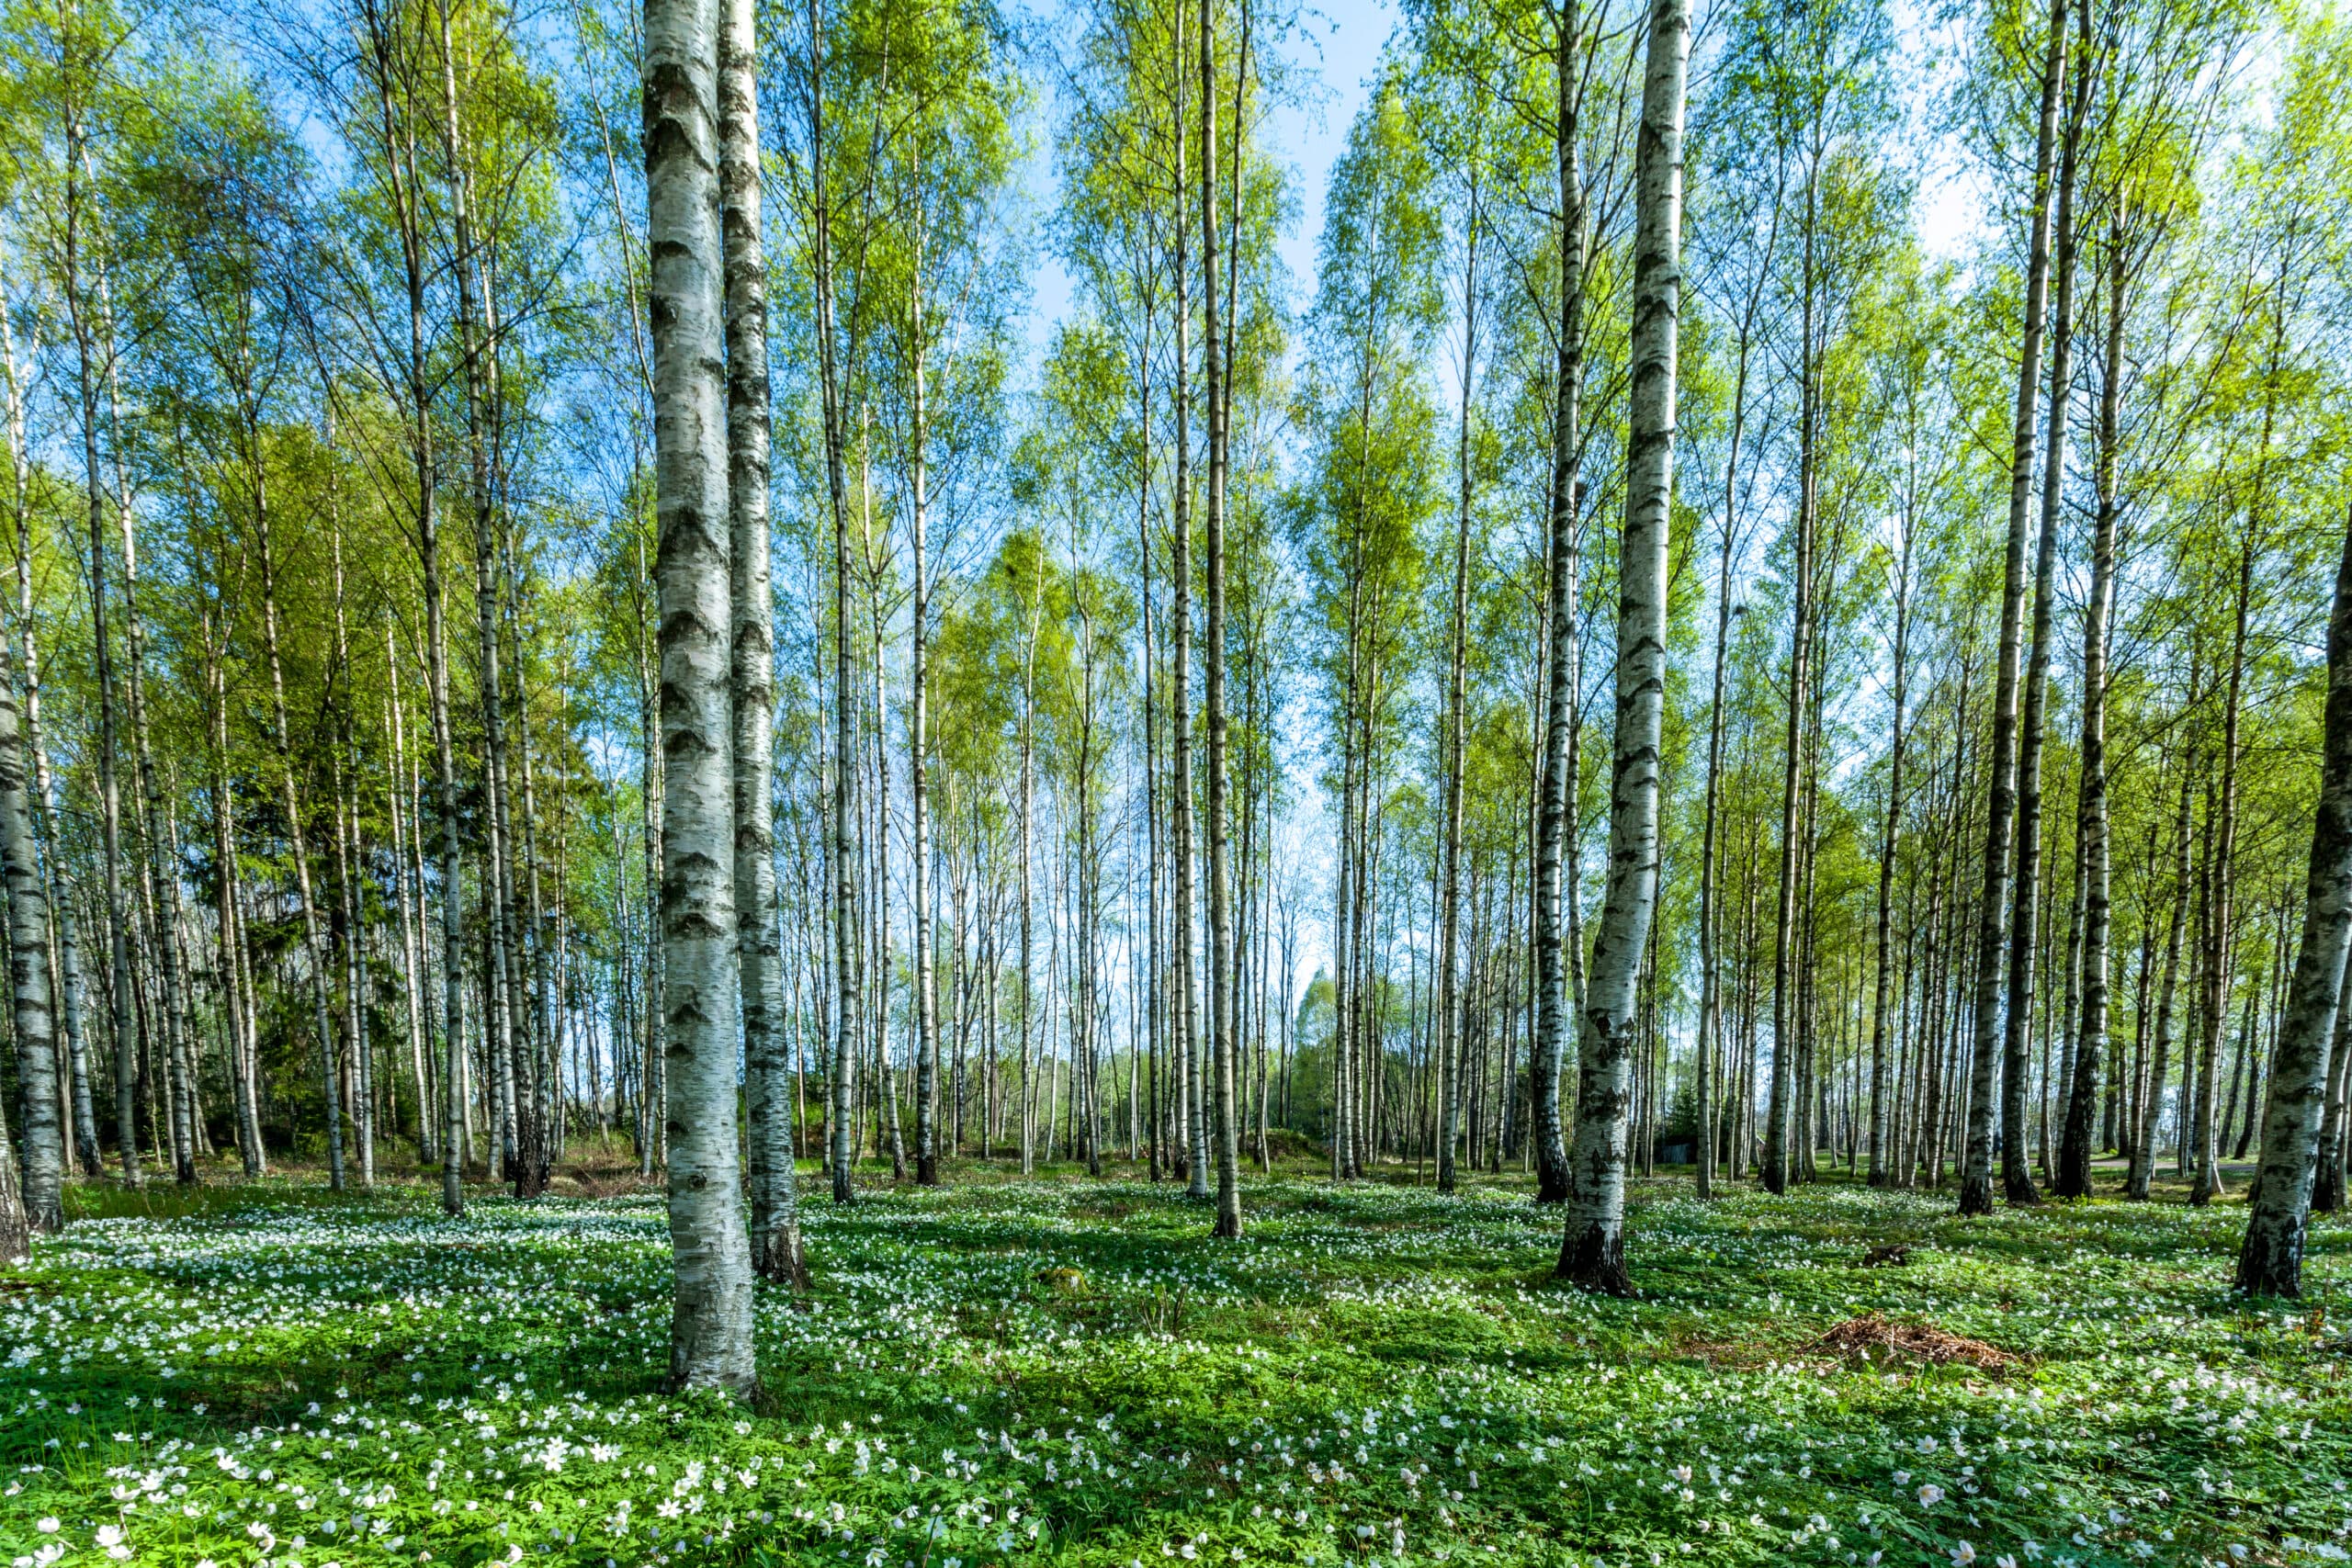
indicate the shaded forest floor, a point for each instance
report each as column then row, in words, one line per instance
column 1069, row 1372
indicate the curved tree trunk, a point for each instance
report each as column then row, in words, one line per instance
column 2279, row 1214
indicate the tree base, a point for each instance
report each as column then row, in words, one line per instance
column 2271, row 1262
column 779, row 1258
column 1975, row 1195
column 1593, row 1258
column 927, row 1170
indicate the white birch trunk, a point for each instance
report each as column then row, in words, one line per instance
column 710, row 1336
column 775, row 1220
column 40, row 1203
column 1592, row 1250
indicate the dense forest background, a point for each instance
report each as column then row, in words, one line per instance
column 332, row 634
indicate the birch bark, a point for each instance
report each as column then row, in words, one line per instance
column 1556, row 816
column 710, row 1335
column 759, row 953
column 1592, row 1251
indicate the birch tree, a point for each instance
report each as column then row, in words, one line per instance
column 710, row 1336
column 1593, row 1253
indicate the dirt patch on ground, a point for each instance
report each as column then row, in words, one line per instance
column 1876, row 1340
column 1737, row 1354
column 609, row 1183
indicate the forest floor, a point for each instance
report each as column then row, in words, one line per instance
column 1066, row 1371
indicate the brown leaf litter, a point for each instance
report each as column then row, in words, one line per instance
column 1874, row 1340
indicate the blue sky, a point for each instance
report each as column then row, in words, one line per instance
column 1339, row 47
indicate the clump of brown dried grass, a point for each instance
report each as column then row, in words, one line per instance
column 1874, row 1340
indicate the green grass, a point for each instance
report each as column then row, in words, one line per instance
column 1064, row 1371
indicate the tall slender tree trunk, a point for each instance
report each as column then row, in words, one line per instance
column 775, row 1235
column 405, row 887
column 2143, row 1150
column 1710, row 1049
column 2017, row 1171
column 163, row 878
column 839, row 840
column 520, row 1134
column 1889, row 838
column 290, row 800
column 1450, row 1011
column 343, row 789
column 2219, row 923
column 235, row 994
column 926, row 997
column 382, row 61
column 1556, row 818
column 1180, row 614
column 2091, row 825
column 1593, row 1252
column 123, row 1027
column 1028, row 870
column 1154, row 976
column 710, row 1336
column 1784, row 1093
column 1992, row 930
column 1223, row 1040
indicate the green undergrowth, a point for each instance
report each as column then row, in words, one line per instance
column 1000, row 1373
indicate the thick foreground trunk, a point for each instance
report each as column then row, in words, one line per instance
column 710, row 1333
column 2278, row 1214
